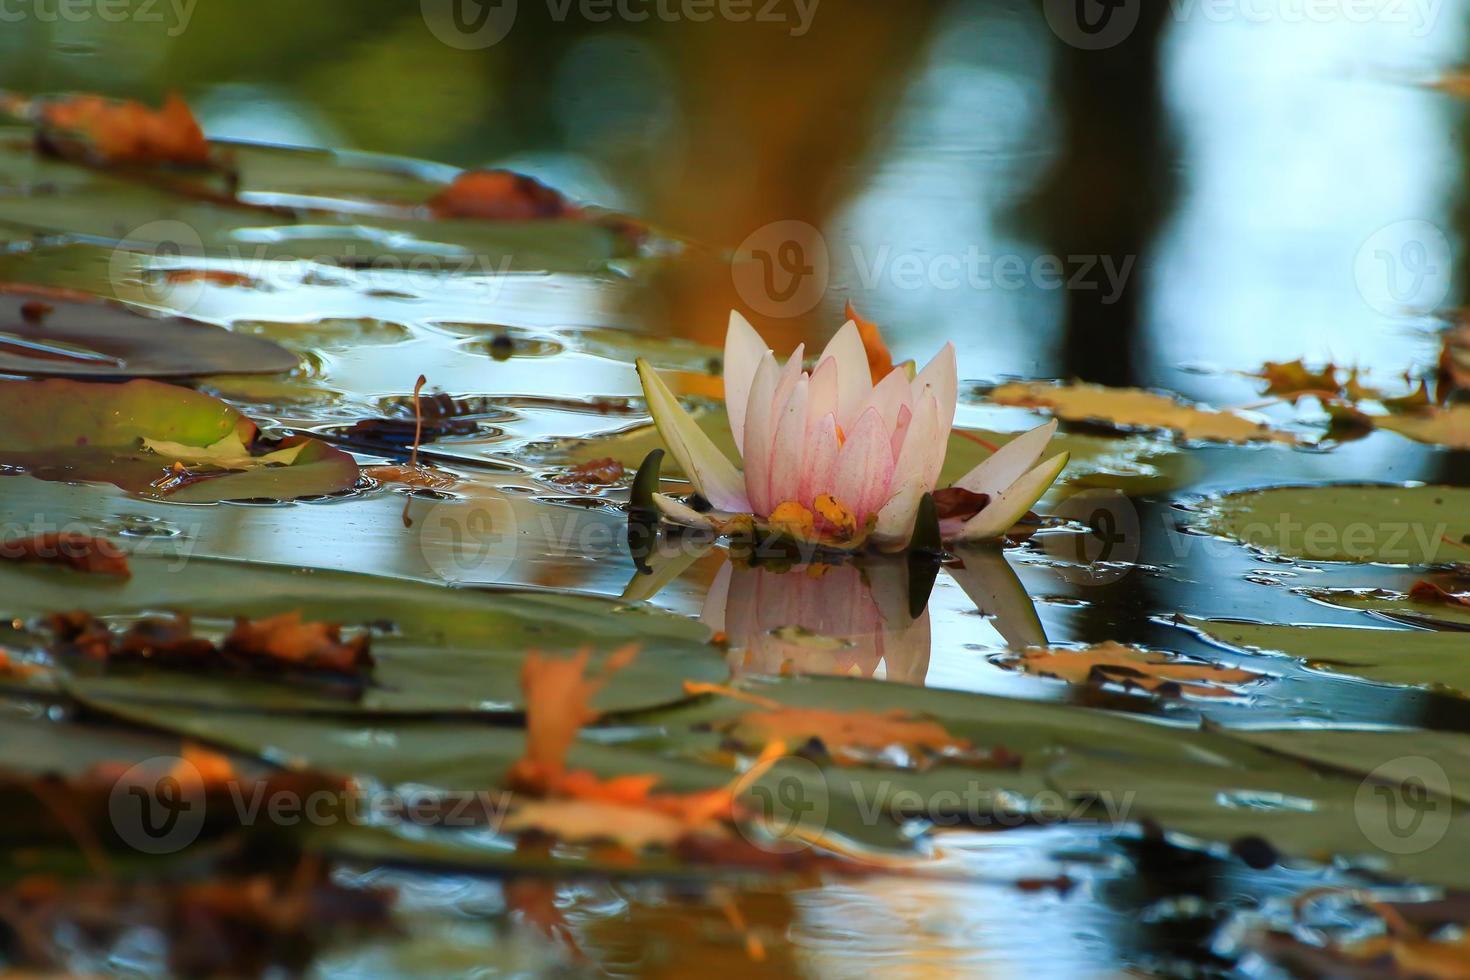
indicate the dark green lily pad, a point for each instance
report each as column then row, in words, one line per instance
column 1395, row 525
column 1419, row 658
column 437, row 649
column 74, row 430
column 54, row 337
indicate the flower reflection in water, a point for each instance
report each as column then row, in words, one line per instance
column 855, row 619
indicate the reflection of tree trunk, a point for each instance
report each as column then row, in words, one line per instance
column 1108, row 190
column 772, row 125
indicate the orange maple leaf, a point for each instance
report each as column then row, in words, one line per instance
column 130, row 132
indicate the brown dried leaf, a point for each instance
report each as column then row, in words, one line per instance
column 82, row 552
column 594, row 473
column 123, row 132
column 288, row 641
column 500, row 195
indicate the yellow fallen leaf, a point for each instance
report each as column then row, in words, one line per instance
column 229, row 453
column 1132, row 408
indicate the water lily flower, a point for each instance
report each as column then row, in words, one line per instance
column 832, row 457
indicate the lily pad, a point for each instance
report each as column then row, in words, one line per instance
column 1134, row 408
column 1397, row 606
column 1418, row 658
column 1367, row 523
column 290, row 209
column 436, row 649
column 44, row 333
column 73, row 430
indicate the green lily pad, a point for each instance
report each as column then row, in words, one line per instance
column 1395, row 525
column 351, row 211
column 1418, row 658
column 1133, row 464
column 437, row 649
column 73, row 430
column 1396, row 606
column 67, row 338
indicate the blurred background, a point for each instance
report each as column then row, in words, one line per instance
column 1059, row 197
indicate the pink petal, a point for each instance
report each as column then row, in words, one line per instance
column 853, row 378
column 821, row 460
column 788, row 449
column 759, row 431
column 744, row 349
column 889, row 397
column 865, row 466
column 901, row 429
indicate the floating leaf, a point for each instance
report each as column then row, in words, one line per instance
column 1437, row 426
column 1399, row 606
column 1134, row 408
column 54, row 333
column 73, row 430
column 1129, row 667
column 1413, row 657
column 1398, row 525
column 435, row 649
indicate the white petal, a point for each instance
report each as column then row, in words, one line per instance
column 760, row 431
column 744, row 349
column 715, row 600
column 681, row 513
column 1002, row 513
column 713, row 475
column 940, row 378
column 1008, row 463
column 854, row 380
column 896, row 519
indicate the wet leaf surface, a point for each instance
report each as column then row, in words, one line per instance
column 1394, row 525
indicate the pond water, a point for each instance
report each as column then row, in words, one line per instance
column 1226, row 185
